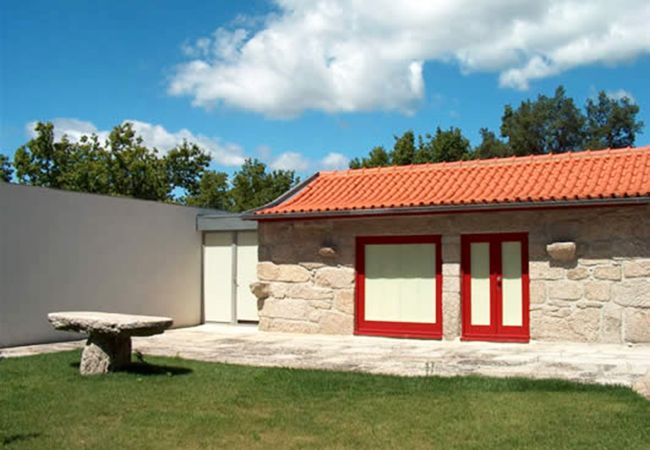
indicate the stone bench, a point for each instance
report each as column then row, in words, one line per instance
column 108, row 347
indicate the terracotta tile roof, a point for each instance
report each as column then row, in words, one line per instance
column 601, row 174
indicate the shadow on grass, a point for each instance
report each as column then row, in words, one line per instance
column 10, row 439
column 147, row 369
column 520, row 384
column 144, row 368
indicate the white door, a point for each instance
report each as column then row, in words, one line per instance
column 218, row 276
column 229, row 267
column 494, row 291
column 246, row 274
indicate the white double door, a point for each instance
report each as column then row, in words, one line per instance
column 229, row 267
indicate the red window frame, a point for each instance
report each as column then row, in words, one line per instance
column 396, row 329
column 495, row 331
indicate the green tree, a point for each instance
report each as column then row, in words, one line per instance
column 135, row 170
column 566, row 131
column 522, row 129
column 443, row 146
column 378, row 157
column 403, row 150
column 491, row 146
column 5, row 168
column 253, row 186
column 82, row 166
column 87, row 168
column 611, row 123
column 186, row 166
column 545, row 125
column 212, row 192
column 122, row 165
column 41, row 161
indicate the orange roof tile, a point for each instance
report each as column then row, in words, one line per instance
column 601, row 174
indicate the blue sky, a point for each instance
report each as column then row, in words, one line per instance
column 306, row 85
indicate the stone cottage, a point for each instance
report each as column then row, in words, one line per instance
column 549, row 247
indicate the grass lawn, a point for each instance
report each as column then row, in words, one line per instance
column 45, row 403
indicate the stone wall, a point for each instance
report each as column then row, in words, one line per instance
column 601, row 295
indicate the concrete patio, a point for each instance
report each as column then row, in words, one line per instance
column 599, row 363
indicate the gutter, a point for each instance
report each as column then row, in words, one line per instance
column 481, row 207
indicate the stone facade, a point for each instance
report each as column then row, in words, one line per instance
column 602, row 294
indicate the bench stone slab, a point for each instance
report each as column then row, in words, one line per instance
column 108, row 346
column 109, row 323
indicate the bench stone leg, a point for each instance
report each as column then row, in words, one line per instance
column 105, row 353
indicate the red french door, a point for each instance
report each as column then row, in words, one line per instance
column 399, row 286
column 495, row 287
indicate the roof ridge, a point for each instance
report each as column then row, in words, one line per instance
column 497, row 161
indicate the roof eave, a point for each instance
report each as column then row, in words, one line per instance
column 477, row 207
column 251, row 214
column 223, row 222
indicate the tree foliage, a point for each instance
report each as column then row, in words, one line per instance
column 5, row 168
column 378, row 157
column 186, row 166
column 135, row 170
column 611, row 123
column 253, row 186
column 125, row 166
column 212, row 192
column 543, row 125
column 444, row 145
column 404, row 149
column 546, row 125
column 491, row 146
column 41, row 161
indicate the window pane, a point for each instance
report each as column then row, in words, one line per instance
column 480, row 283
column 400, row 283
column 512, row 284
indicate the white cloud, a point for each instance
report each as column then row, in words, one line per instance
column 74, row 129
column 334, row 161
column 263, row 152
column 620, row 94
column 223, row 153
column 302, row 164
column 290, row 161
column 347, row 55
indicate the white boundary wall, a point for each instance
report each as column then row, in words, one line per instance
column 73, row 251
